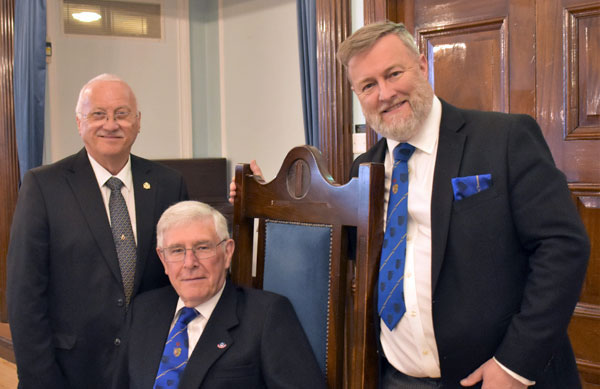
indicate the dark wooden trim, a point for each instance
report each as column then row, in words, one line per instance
column 335, row 99
column 9, row 163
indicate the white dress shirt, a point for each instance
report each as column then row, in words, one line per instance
column 411, row 346
column 196, row 326
column 102, row 175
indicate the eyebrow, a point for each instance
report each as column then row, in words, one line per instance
column 116, row 109
column 385, row 71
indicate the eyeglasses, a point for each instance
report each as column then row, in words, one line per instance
column 122, row 115
column 200, row 251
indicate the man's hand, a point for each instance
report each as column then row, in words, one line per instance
column 257, row 173
column 493, row 377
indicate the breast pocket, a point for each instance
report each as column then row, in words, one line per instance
column 478, row 199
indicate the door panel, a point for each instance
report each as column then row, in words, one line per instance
column 473, row 57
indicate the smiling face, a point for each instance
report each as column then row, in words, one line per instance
column 196, row 280
column 109, row 140
column 390, row 81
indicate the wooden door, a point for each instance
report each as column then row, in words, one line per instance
column 526, row 56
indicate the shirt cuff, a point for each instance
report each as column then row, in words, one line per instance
column 514, row 375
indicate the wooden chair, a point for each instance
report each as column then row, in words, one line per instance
column 302, row 252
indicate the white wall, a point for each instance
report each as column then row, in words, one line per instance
column 152, row 67
column 261, row 98
column 245, row 82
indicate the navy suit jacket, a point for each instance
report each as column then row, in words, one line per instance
column 265, row 346
column 65, row 294
column 508, row 262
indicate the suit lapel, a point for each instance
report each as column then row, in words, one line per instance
column 145, row 192
column 85, row 189
column 215, row 340
column 447, row 165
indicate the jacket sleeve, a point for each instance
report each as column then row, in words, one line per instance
column 287, row 359
column 550, row 230
column 27, row 290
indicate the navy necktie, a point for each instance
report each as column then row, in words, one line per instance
column 390, row 302
column 175, row 354
column 122, row 235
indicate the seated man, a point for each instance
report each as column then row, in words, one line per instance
column 228, row 335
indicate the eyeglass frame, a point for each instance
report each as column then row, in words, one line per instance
column 213, row 253
column 107, row 116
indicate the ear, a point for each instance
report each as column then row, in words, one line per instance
column 423, row 66
column 162, row 259
column 78, row 121
column 229, row 248
column 139, row 121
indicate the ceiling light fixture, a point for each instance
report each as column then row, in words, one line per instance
column 87, row 17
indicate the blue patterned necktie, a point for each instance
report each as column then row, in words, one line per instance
column 122, row 235
column 175, row 354
column 390, row 302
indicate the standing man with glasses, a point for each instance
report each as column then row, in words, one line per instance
column 82, row 243
column 204, row 332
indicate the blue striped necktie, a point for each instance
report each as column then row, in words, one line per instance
column 175, row 354
column 390, row 302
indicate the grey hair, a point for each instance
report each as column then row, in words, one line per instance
column 365, row 37
column 186, row 212
column 101, row 77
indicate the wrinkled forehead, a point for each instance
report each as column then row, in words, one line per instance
column 195, row 229
column 109, row 94
column 387, row 52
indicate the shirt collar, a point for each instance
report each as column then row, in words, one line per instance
column 206, row 308
column 427, row 137
column 102, row 175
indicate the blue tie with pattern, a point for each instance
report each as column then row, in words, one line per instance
column 390, row 302
column 120, row 225
column 175, row 354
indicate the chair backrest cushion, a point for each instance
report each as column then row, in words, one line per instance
column 297, row 265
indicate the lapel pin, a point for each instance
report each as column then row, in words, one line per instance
column 146, row 185
column 222, row 345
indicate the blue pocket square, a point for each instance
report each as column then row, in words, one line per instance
column 468, row 186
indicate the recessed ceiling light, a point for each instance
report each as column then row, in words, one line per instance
column 87, row 17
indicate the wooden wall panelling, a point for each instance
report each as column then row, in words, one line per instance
column 9, row 164
column 335, row 100
column 584, row 329
column 582, row 27
column 468, row 63
column 568, row 93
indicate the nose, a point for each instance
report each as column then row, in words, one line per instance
column 189, row 259
column 110, row 123
column 386, row 91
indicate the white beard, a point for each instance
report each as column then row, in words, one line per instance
column 402, row 129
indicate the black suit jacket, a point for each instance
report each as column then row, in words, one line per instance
column 65, row 295
column 508, row 262
column 265, row 344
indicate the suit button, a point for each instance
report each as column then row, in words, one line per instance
column 117, row 342
column 120, row 302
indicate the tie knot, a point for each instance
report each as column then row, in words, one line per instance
column 114, row 183
column 187, row 315
column 403, row 151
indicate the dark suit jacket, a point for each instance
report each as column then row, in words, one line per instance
column 65, row 294
column 508, row 262
column 265, row 344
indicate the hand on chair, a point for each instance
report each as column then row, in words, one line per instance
column 257, row 173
